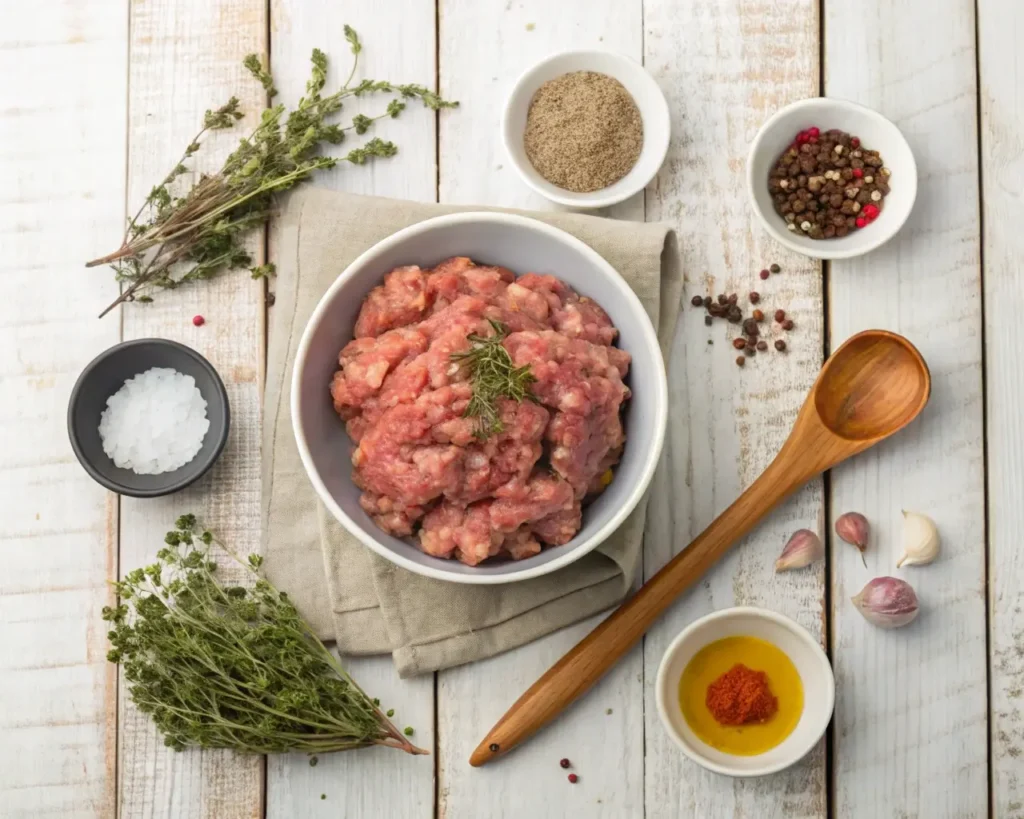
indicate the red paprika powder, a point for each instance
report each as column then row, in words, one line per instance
column 740, row 696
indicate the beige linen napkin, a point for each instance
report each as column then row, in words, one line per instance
column 348, row 593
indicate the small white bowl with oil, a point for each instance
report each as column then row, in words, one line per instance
column 816, row 687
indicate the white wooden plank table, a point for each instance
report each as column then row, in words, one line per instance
column 97, row 100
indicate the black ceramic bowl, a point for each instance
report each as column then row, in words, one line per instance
column 105, row 375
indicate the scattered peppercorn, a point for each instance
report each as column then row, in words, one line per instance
column 391, row 712
column 408, row 731
column 312, row 761
column 750, row 327
column 493, row 747
column 198, row 321
column 271, row 299
column 787, row 324
column 733, row 298
column 758, row 315
column 763, row 274
column 708, row 320
column 775, row 268
column 707, row 302
column 750, row 349
column 780, row 315
column 780, row 345
column 697, row 301
column 754, row 297
column 376, row 701
column 740, row 361
column 762, row 345
column 563, row 762
column 722, row 298
column 573, row 778
column 323, row 796
column 739, row 343
column 609, row 711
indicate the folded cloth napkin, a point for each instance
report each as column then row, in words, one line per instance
column 345, row 591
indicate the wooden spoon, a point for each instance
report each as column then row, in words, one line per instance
column 872, row 386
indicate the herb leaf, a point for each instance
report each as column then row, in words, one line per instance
column 493, row 376
column 174, row 239
column 219, row 665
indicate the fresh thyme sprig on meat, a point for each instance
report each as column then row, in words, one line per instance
column 229, row 666
column 177, row 239
column 492, row 376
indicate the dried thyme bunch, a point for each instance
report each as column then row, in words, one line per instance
column 227, row 666
column 176, row 239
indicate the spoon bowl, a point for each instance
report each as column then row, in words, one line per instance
column 872, row 386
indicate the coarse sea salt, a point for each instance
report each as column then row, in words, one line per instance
column 155, row 423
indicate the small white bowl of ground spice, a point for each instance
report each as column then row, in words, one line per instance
column 586, row 129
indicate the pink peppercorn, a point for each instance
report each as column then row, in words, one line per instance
column 861, row 221
column 198, row 321
column 573, row 778
column 858, row 172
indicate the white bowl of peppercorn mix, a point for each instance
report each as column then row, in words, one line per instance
column 831, row 179
column 586, row 129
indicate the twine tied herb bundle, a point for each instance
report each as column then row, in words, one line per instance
column 229, row 666
column 176, row 239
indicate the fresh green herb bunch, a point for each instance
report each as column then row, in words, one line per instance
column 176, row 239
column 229, row 666
column 492, row 376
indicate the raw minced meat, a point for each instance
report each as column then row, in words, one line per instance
column 422, row 468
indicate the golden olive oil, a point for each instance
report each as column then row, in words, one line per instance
column 715, row 659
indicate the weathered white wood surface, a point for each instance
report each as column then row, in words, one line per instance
column 606, row 749
column 910, row 733
column 911, row 737
column 1000, row 32
column 380, row 782
column 62, row 150
column 185, row 58
column 740, row 67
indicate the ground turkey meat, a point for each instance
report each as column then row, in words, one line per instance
column 420, row 463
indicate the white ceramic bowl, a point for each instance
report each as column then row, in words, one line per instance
column 805, row 653
column 522, row 245
column 875, row 132
column 641, row 86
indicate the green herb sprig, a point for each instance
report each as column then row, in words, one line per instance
column 492, row 376
column 172, row 239
column 229, row 666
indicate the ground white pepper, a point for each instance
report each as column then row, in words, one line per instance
column 583, row 131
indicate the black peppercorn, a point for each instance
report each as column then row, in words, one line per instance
column 697, row 301
column 780, row 345
column 775, row 268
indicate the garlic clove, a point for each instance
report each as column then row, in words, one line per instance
column 887, row 602
column 853, row 528
column 920, row 540
column 802, row 549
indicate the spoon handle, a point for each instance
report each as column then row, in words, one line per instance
column 596, row 653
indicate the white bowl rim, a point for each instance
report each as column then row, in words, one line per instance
column 910, row 172
column 660, row 403
column 593, row 199
column 765, row 614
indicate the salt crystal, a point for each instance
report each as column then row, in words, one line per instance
column 155, row 423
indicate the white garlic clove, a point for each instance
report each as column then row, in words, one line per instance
column 802, row 549
column 887, row 602
column 920, row 540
